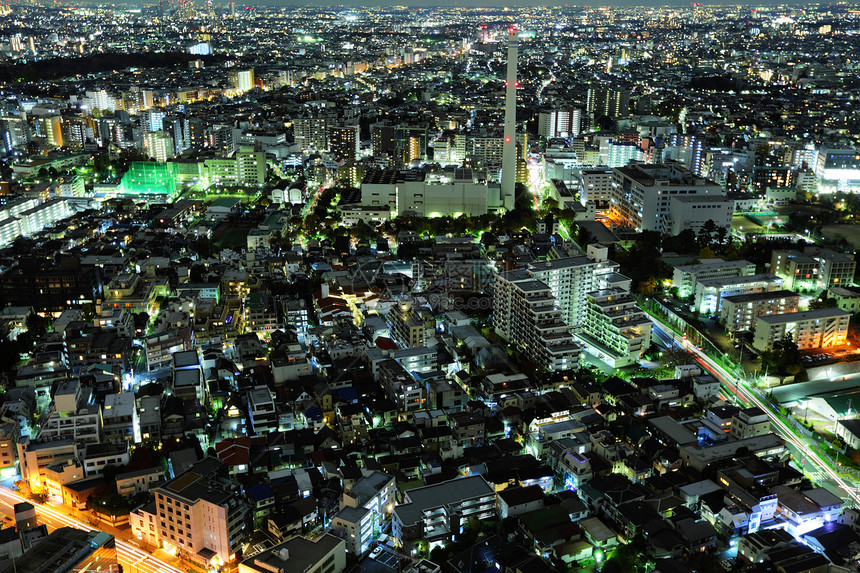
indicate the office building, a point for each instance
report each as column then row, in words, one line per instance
column 527, row 315
column 51, row 287
column 35, row 455
column 202, row 515
column 642, row 194
column 820, row 328
column 595, row 186
column 692, row 213
column 740, row 312
column 411, row 193
column 838, row 169
column 67, row 549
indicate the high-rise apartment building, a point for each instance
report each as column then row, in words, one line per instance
column 245, row 80
column 595, row 304
column 616, row 329
column 250, row 166
column 159, row 145
column 311, row 132
column 560, row 123
column 343, row 142
column 608, row 101
column 527, row 316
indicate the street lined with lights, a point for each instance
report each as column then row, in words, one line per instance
column 138, row 559
column 737, row 387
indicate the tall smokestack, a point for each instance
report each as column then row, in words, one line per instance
column 509, row 151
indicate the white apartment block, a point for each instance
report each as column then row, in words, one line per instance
column 571, row 279
column 355, row 526
column 814, row 270
column 75, row 415
column 709, row 294
column 642, row 194
column 740, row 312
column 436, row 512
column 820, row 328
column 527, row 316
column 837, row 269
column 685, row 277
column 119, row 418
column 617, row 331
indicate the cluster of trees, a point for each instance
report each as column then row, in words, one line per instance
column 784, row 358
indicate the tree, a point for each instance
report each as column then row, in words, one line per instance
column 706, row 253
column 197, row 273
column 203, row 247
column 684, row 243
column 550, row 204
column 141, row 320
column 722, row 235
column 822, row 302
column 784, row 357
column 583, row 236
column 706, row 233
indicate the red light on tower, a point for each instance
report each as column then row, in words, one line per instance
column 516, row 84
column 512, row 30
column 507, row 140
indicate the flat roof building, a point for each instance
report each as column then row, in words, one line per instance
column 299, row 555
column 438, row 512
column 740, row 312
column 818, row 328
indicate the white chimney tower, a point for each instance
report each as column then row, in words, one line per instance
column 509, row 150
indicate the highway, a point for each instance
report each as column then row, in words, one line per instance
column 134, row 559
column 750, row 396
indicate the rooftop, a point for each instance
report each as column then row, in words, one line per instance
column 295, row 555
column 439, row 495
column 815, row 314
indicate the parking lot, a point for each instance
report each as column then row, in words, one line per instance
column 388, row 560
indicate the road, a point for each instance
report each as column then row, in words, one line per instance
column 751, row 396
column 134, row 560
